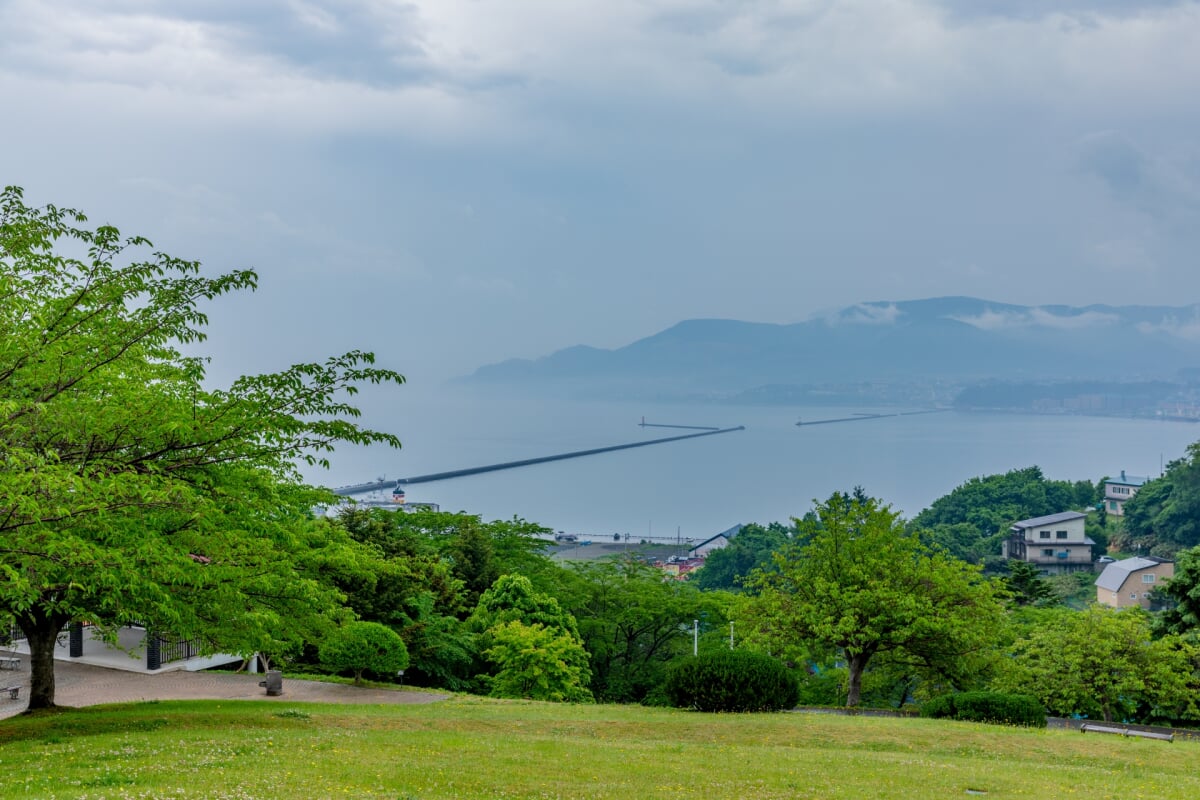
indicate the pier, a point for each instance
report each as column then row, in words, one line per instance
column 383, row 485
column 862, row 416
column 644, row 424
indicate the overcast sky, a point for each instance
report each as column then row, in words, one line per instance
column 451, row 183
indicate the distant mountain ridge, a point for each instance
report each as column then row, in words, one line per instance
column 957, row 339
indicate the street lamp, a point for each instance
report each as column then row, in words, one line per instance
column 400, row 675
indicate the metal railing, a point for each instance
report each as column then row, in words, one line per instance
column 174, row 649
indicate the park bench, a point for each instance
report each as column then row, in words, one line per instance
column 1089, row 728
column 13, row 691
column 10, row 662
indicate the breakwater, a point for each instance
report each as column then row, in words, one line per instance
column 862, row 416
column 526, row 462
column 384, row 485
column 644, row 424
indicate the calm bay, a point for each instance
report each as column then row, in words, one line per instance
column 771, row 471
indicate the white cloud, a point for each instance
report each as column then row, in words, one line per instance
column 992, row 320
column 868, row 314
column 1188, row 329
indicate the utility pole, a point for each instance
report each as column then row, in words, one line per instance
column 695, row 637
column 730, row 634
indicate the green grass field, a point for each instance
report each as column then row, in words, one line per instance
column 477, row 748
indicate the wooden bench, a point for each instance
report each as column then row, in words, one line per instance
column 13, row 691
column 10, row 662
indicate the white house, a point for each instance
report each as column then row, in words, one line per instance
column 1119, row 491
column 1055, row 543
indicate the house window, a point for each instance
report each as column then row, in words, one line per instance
column 1060, row 534
column 1048, row 552
column 1044, row 534
column 1148, row 578
column 1112, row 505
column 1133, row 595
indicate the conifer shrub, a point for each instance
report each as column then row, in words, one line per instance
column 731, row 680
column 995, row 707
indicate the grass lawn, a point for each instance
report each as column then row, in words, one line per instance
column 477, row 748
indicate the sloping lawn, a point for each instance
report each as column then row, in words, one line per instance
column 475, row 748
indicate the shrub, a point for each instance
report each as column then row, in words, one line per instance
column 731, row 680
column 537, row 663
column 996, row 707
column 362, row 646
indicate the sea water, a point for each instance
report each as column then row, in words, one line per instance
column 692, row 489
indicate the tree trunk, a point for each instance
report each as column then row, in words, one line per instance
column 41, row 631
column 857, row 663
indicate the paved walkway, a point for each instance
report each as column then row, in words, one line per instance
column 83, row 685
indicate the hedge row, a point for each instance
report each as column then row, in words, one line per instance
column 997, row 707
column 731, row 680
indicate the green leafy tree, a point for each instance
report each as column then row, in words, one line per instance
column 866, row 587
column 537, row 662
column 474, row 559
column 1164, row 516
column 1025, row 583
column 1102, row 663
column 479, row 551
column 1181, row 596
column 128, row 490
column 629, row 620
column 749, row 550
column 1096, row 529
column 523, row 631
column 360, row 647
column 412, row 589
column 972, row 520
column 512, row 597
column 404, row 571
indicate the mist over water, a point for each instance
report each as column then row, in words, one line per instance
column 771, row 471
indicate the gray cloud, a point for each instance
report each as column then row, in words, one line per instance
column 1152, row 185
column 359, row 41
column 1040, row 9
column 626, row 163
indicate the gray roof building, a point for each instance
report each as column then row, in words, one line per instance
column 1128, row 480
column 1133, row 582
column 1049, row 519
column 1115, row 573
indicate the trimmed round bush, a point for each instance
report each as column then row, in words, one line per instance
column 359, row 647
column 996, row 707
column 731, row 680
